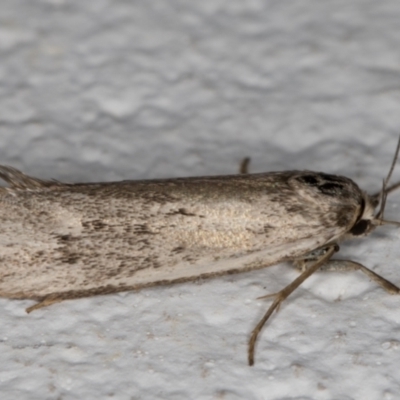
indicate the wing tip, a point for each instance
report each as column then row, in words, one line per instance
column 18, row 180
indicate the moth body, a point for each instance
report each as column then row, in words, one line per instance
column 75, row 240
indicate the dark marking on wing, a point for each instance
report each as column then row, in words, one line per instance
column 331, row 189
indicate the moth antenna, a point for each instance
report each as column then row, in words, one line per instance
column 382, row 200
column 386, row 222
column 382, row 195
column 393, row 187
column 396, row 155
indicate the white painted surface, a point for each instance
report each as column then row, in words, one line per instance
column 106, row 90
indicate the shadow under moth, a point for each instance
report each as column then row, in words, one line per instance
column 69, row 240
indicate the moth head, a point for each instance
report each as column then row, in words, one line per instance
column 337, row 188
column 368, row 219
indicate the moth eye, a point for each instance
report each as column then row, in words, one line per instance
column 309, row 180
column 360, row 227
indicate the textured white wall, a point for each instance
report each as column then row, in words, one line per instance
column 105, row 90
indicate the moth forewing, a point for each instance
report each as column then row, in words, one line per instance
column 76, row 240
column 63, row 241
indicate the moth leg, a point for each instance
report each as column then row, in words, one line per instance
column 307, row 260
column 348, row 265
column 345, row 265
column 244, row 166
column 324, row 256
column 47, row 301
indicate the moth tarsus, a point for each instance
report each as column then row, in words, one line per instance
column 65, row 241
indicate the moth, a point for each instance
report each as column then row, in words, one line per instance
column 64, row 241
